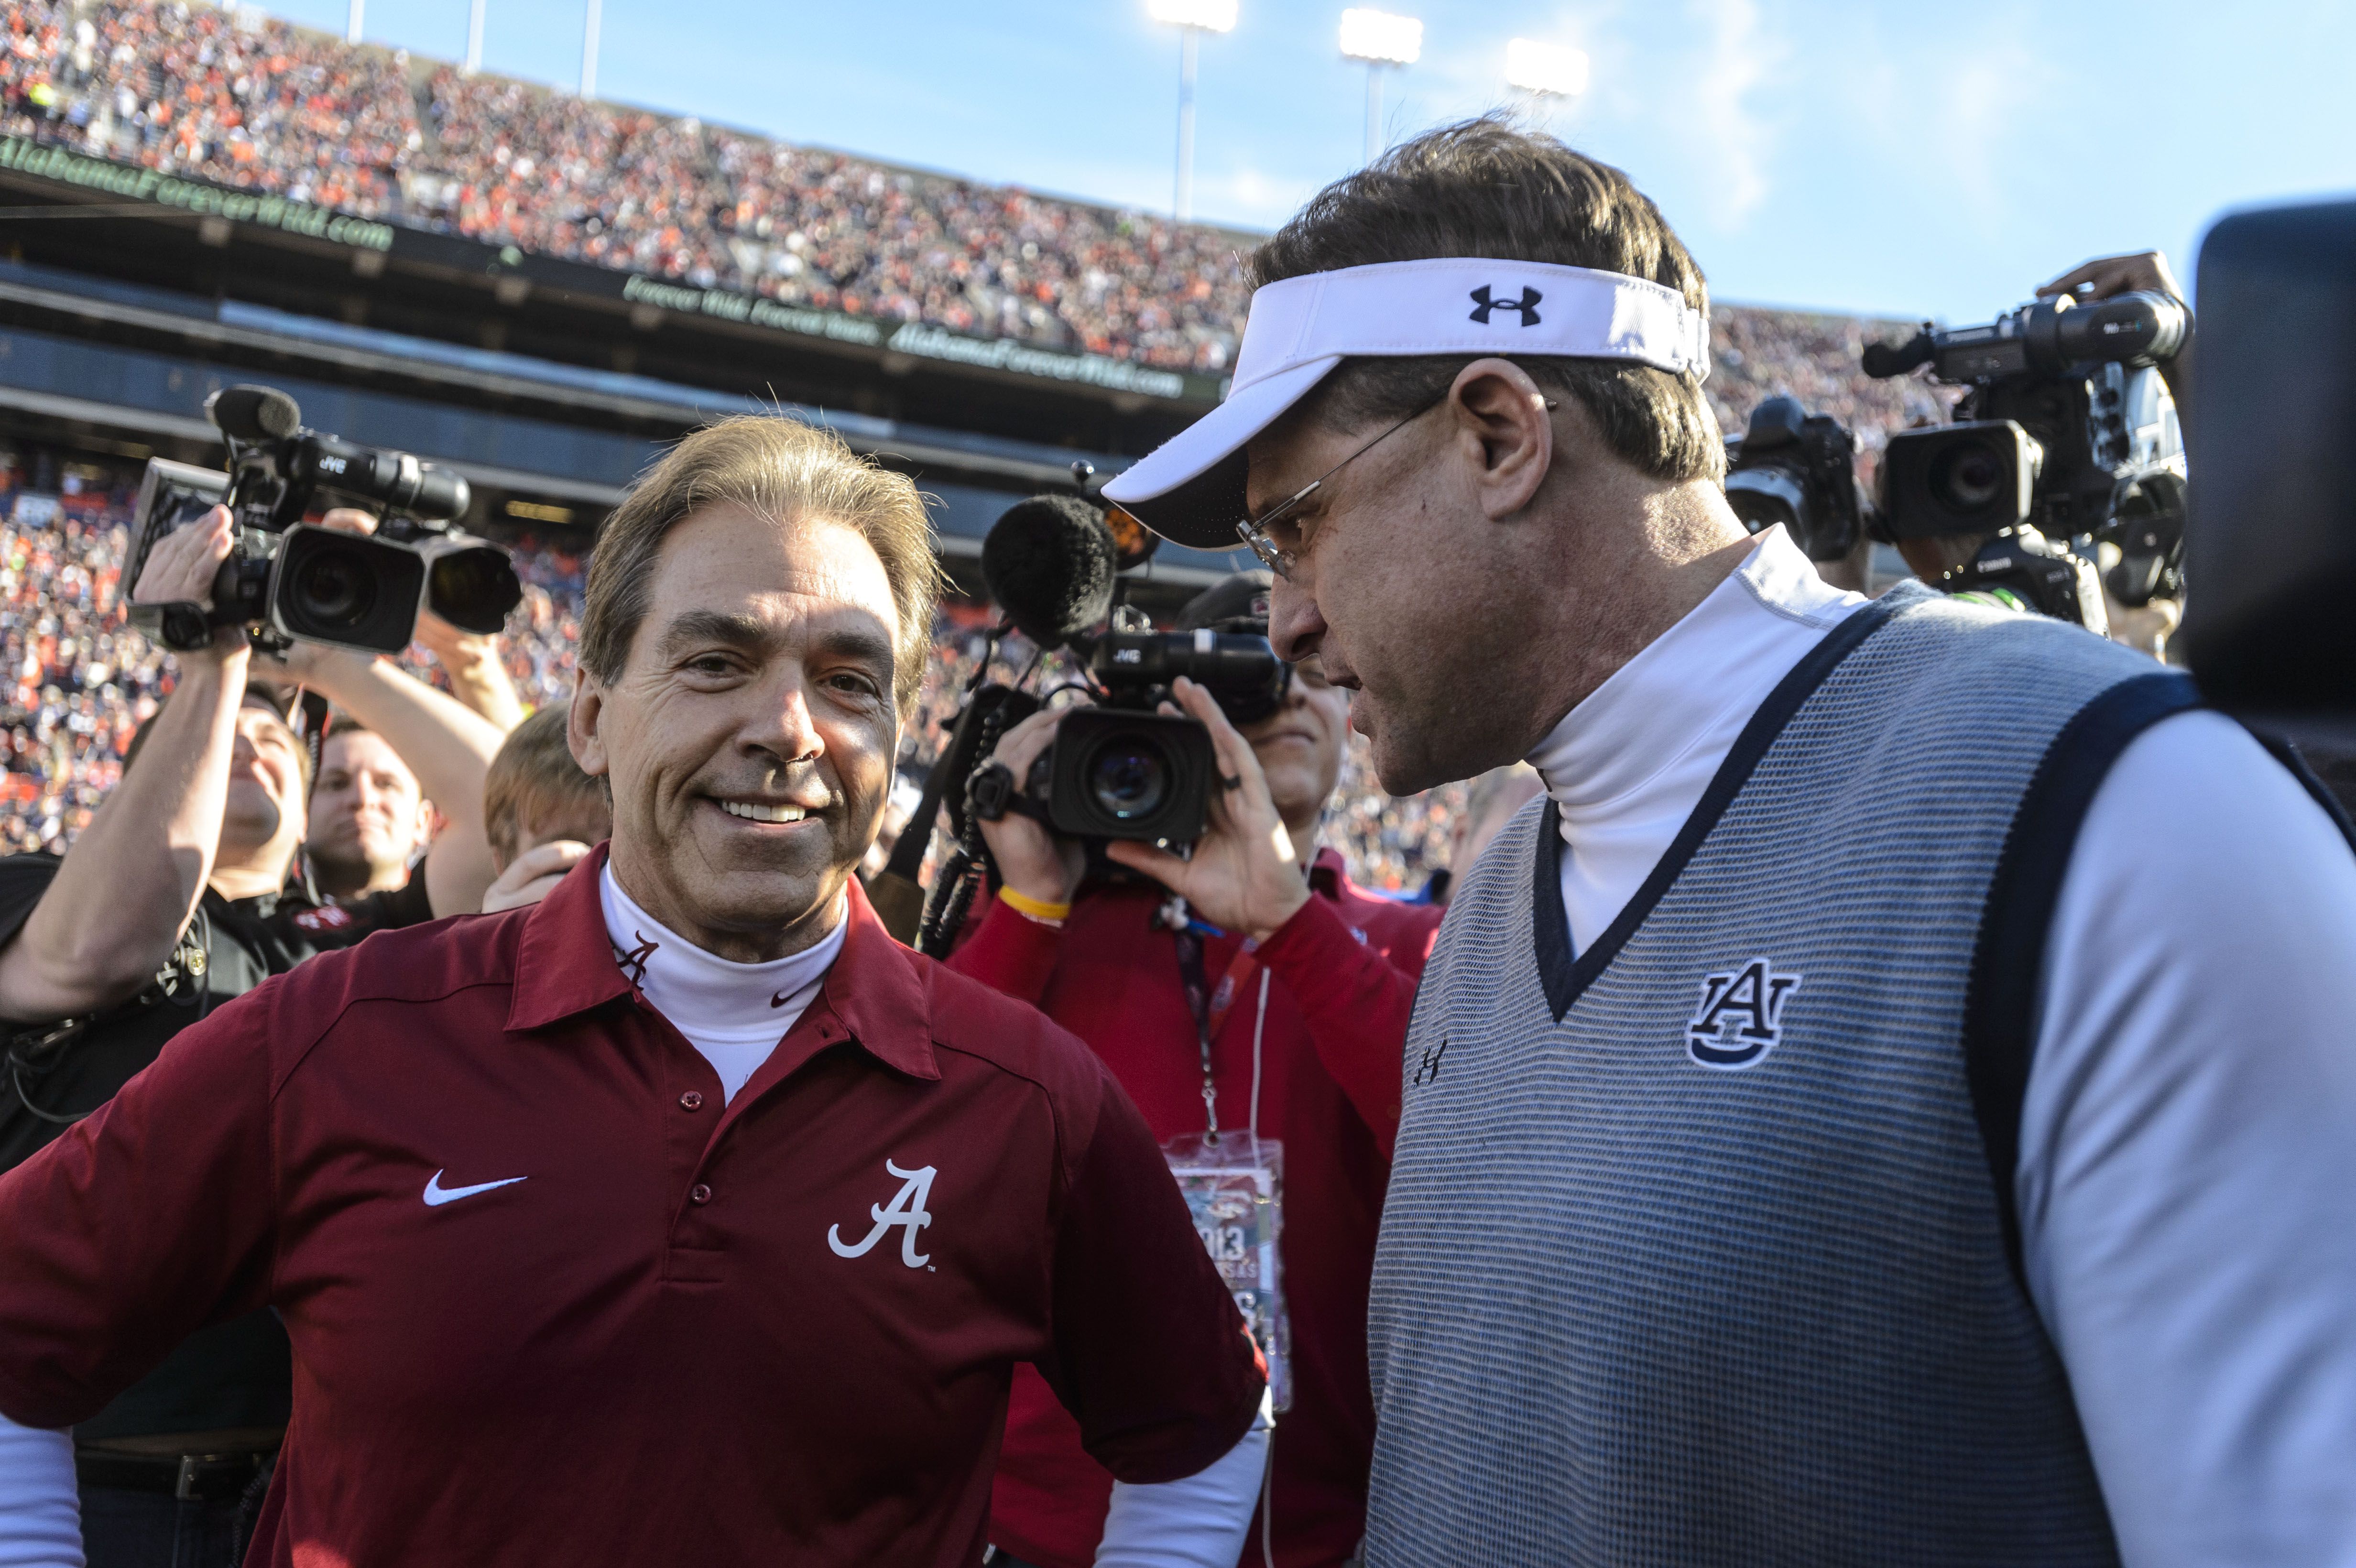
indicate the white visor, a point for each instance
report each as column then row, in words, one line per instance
column 1191, row 488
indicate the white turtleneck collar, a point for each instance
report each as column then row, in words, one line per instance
column 1628, row 766
column 734, row 1014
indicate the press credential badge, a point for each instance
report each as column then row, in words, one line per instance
column 1233, row 1184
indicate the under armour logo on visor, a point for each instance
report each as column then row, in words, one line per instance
column 1527, row 304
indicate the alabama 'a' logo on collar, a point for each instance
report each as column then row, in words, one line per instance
column 1741, row 1016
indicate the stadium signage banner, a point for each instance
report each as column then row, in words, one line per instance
column 25, row 155
column 913, row 338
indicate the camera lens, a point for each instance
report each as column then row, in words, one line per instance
column 1966, row 479
column 334, row 588
column 1129, row 779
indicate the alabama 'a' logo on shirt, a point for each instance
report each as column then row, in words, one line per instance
column 907, row 1209
column 1741, row 1016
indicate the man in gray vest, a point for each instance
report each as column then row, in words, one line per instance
column 1893, row 1100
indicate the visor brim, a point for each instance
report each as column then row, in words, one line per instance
column 1189, row 489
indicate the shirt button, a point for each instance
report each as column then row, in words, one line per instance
column 691, row 1101
column 698, row 1193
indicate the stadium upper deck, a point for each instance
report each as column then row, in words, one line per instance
column 541, row 289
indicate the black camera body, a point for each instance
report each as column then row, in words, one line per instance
column 1797, row 469
column 2065, row 430
column 2021, row 568
column 1123, row 769
column 286, row 579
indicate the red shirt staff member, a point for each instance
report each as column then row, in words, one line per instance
column 555, row 1293
column 1333, row 977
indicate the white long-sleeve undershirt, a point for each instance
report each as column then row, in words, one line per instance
column 40, row 1511
column 2187, row 1175
column 1196, row 1522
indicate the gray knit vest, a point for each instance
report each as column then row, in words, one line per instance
column 1693, row 1253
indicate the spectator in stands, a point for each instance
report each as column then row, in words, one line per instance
column 541, row 812
column 175, row 899
column 1230, row 1027
column 369, row 817
column 1489, row 802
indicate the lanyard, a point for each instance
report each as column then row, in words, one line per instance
column 1209, row 1006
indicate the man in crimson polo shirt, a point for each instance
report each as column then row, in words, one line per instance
column 572, row 1271
column 1305, row 1026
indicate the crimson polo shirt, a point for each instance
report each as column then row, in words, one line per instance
column 1343, row 972
column 549, row 1302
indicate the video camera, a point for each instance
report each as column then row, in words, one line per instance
column 286, row 579
column 2065, row 433
column 1120, row 768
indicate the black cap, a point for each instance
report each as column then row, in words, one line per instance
column 1235, row 603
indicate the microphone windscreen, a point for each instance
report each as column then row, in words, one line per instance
column 253, row 413
column 1049, row 562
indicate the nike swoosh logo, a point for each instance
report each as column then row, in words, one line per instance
column 437, row 1195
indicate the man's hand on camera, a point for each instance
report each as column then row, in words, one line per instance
column 2106, row 277
column 1032, row 860
column 181, row 568
column 1244, row 876
column 2147, row 271
column 533, row 875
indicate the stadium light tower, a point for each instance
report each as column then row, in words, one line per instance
column 352, row 21
column 1545, row 70
column 475, row 37
column 1193, row 18
column 589, row 51
column 1379, row 39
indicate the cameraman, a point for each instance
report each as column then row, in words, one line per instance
column 172, row 902
column 1303, row 968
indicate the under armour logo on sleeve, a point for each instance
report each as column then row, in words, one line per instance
column 1429, row 1071
column 1527, row 305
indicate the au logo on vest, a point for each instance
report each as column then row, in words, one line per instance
column 907, row 1208
column 1741, row 1015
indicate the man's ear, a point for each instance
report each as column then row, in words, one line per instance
column 580, row 724
column 1504, row 426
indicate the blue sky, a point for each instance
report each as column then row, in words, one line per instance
column 1914, row 159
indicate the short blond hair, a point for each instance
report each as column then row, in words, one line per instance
column 781, row 469
column 533, row 785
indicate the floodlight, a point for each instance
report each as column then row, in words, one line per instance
column 1554, row 70
column 1379, row 37
column 1211, row 16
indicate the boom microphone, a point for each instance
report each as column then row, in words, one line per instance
column 1049, row 562
column 1883, row 360
column 248, row 413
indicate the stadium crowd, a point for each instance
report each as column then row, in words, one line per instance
column 247, row 100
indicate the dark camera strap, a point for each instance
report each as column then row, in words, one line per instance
column 1210, row 1006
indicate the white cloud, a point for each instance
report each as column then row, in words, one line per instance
column 1739, row 58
